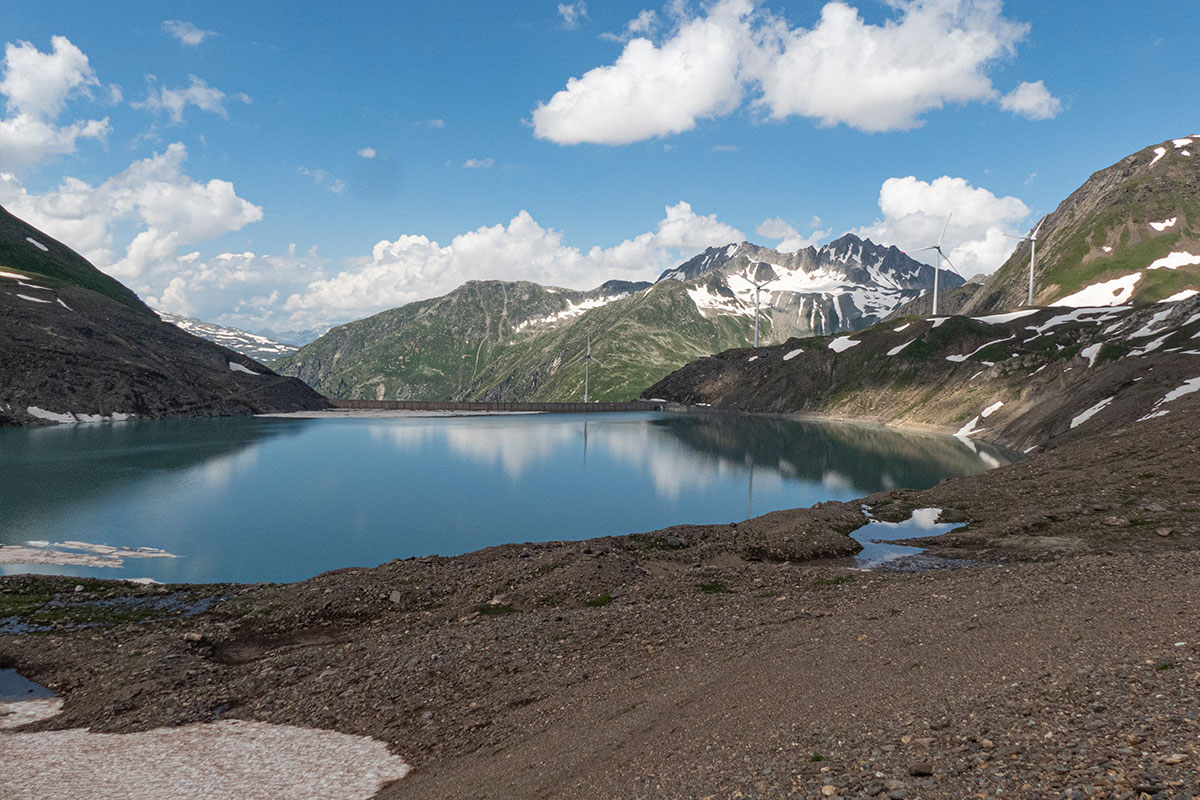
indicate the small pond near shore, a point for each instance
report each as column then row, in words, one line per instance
column 279, row 499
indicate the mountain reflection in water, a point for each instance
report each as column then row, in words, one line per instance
column 282, row 499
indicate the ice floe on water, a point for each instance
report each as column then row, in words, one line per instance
column 792, row 354
column 842, row 344
column 1091, row 412
column 77, row 554
column 224, row 760
column 236, row 367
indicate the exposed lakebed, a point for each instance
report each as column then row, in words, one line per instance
column 260, row 499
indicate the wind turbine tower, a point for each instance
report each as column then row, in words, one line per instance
column 588, row 360
column 940, row 256
column 1032, row 239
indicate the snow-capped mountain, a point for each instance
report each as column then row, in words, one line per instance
column 260, row 348
column 846, row 285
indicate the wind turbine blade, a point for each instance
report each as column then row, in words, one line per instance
column 596, row 361
column 1038, row 228
column 945, row 228
column 951, row 263
column 1014, row 236
column 923, row 249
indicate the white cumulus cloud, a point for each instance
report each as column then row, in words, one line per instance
column 367, row 152
column 791, row 239
column 915, row 212
column 167, row 209
column 36, row 87
column 1032, row 100
column 478, row 163
column 186, row 32
column 197, row 93
column 572, row 14
column 414, row 267
column 842, row 70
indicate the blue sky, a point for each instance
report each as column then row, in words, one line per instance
column 282, row 166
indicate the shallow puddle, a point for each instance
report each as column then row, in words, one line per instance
column 876, row 537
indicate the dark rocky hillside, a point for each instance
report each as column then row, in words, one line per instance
column 76, row 345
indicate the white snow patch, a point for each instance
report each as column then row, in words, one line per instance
column 1106, row 293
column 1152, row 346
column 1029, row 450
column 902, row 327
column 1078, row 315
column 1091, row 412
column 937, row 321
column 896, row 350
column 842, row 343
column 1181, row 143
column 14, row 275
column 992, row 409
column 1166, row 223
column 961, row 358
column 23, row 712
column 752, row 358
column 32, row 299
column 1154, row 414
column 1106, row 249
column 34, row 411
column 37, row 244
column 1091, row 352
column 1184, row 295
column 1152, row 326
column 222, row 760
column 997, row 319
column 1159, row 152
column 239, row 368
column 792, row 354
column 64, row 305
column 1187, row 153
column 1174, row 261
column 968, row 429
column 1188, row 387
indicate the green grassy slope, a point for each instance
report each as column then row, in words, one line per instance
column 57, row 265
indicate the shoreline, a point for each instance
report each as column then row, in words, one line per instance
column 718, row 659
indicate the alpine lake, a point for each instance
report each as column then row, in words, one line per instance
column 256, row 499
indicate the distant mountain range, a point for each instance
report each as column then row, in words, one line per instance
column 260, row 348
column 78, row 346
column 492, row 340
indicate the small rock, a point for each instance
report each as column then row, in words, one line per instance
column 892, row 784
column 872, row 789
column 79, row 587
column 1174, row 758
column 920, row 770
column 395, row 596
column 193, row 636
column 1164, row 532
column 500, row 599
column 828, row 791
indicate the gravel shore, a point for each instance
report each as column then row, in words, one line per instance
column 715, row 661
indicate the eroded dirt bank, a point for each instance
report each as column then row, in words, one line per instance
column 713, row 660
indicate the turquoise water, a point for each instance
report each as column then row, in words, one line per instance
column 260, row 499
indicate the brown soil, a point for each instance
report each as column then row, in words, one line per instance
column 722, row 661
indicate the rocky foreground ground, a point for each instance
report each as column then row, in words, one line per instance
column 712, row 661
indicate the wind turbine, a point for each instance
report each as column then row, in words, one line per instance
column 941, row 255
column 1032, row 239
column 758, row 287
column 588, row 359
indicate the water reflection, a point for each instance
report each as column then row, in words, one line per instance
column 271, row 499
